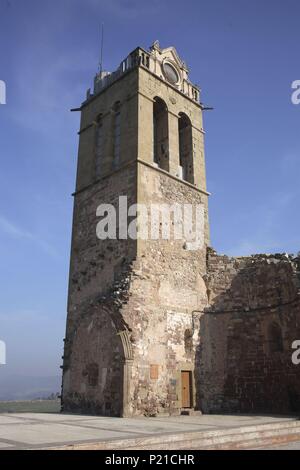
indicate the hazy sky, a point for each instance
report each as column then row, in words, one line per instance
column 243, row 54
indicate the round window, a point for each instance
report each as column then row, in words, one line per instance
column 171, row 73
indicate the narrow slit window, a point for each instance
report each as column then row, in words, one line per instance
column 117, row 136
column 275, row 338
column 99, row 149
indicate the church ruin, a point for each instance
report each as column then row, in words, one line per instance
column 154, row 327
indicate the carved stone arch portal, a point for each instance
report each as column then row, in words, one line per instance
column 98, row 375
column 123, row 332
column 127, row 346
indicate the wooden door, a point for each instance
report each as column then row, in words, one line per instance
column 186, row 389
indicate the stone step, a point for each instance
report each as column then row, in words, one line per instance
column 254, row 436
column 190, row 412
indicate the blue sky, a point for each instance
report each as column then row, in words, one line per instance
column 243, row 54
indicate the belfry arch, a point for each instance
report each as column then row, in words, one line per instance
column 160, row 134
column 186, row 147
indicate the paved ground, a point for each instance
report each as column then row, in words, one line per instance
column 290, row 446
column 37, row 430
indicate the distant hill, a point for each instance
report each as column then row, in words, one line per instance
column 17, row 387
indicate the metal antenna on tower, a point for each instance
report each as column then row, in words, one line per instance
column 101, row 50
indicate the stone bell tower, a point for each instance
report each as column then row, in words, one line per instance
column 134, row 302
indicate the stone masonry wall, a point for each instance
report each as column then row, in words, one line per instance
column 150, row 298
column 124, row 93
column 167, row 287
column 93, row 323
column 237, row 369
column 149, row 88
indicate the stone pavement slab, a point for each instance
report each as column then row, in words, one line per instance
column 289, row 446
column 42, row 430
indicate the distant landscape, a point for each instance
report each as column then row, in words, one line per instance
column 30, row 406
column 22, row 388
